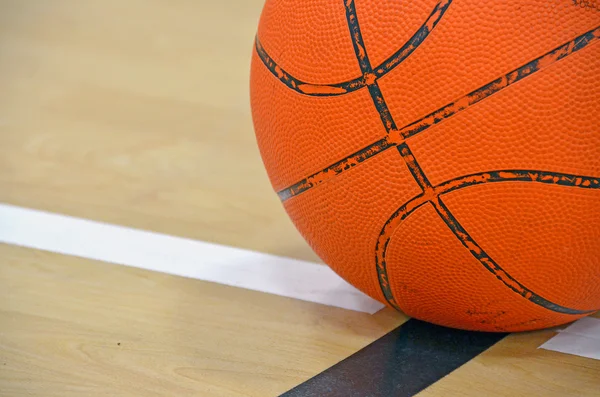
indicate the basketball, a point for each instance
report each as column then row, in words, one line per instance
column 441, row 156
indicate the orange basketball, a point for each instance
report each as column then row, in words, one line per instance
column 442, row 156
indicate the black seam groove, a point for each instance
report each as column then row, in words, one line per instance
column 498, row 176
column 364, row 63
column 414, row 168
column 345, row 87
column 469, row 243
column 432, row 194
column 345, row 164
column 419, row 175
column 472, row 98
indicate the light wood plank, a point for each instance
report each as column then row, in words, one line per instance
column 72, row 327
column 515, row 367
column 137, row 113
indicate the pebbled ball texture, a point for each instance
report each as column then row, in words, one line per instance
column 443, row 156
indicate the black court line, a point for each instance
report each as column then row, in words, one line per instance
column 400, row 364
column 418, row 354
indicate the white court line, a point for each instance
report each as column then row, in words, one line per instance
column 180, row 256
column 582, row 338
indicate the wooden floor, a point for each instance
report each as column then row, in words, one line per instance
column 136, row 113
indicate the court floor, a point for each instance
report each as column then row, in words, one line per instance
column 137, row 114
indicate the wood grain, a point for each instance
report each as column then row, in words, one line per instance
column 137, row 113
column 516, row 367
column 72, row 327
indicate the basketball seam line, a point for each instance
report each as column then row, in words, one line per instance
column 398, row 139
column 507, row 175
column 419, row 175
column 364, row 63
column 336, row 89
